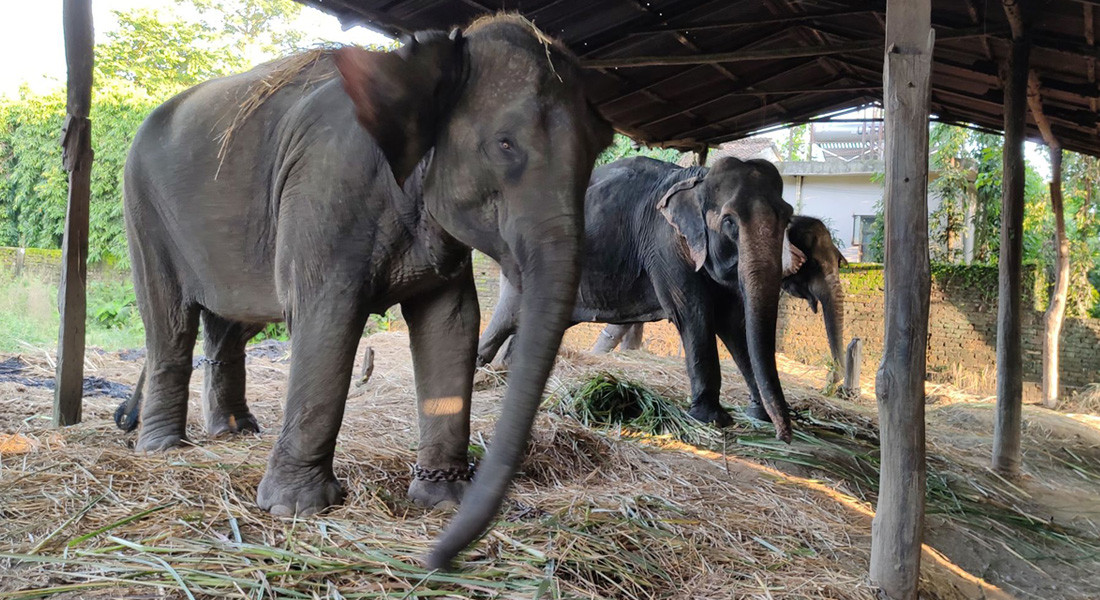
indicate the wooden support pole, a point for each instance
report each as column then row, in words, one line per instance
column 76, row 142
column 1056, row 311
column 701, row 156
column 897, row 529
column 1007, row 423
column 852, row 367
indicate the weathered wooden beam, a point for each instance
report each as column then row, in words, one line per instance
column 1006, row 427
column 726, row 57
column 897, row 529
column 76, row 142
column 780, row 20
column 847, row 47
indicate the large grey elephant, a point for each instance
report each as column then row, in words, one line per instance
column 310, row 218
column 816, row 280
column 701, row 247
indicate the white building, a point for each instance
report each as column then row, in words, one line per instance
column 843, row 189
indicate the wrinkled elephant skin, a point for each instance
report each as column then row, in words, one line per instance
column 701, row 247
column 362, row 183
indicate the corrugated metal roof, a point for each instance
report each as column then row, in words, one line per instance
column 765, row 63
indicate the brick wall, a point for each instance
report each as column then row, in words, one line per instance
column 962, row 344
column 42, row 263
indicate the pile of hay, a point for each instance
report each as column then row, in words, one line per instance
column 603, row 510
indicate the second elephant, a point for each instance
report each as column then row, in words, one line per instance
column 817, row 281
column 702, row 247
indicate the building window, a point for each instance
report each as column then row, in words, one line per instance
column 862, row 230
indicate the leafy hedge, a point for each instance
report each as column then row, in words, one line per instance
column 34, row 186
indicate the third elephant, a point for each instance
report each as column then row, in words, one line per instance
column 702, row 247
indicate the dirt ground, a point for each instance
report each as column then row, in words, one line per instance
column 603, row 513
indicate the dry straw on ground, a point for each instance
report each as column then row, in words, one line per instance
column 599, row 511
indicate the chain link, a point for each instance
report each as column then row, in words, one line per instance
column 449, row 474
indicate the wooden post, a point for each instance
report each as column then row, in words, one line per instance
column 76, row 141
column 701, row 156
column 1006, row 426
column 852, row 369
column 1056, row 311
column 368, row 367
column 897, row 529
column 20, row 259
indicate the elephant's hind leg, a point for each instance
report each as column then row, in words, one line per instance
column 223, row 400
column 171, row 326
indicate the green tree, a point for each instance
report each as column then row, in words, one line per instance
column 158, row 52
column 795, row 147
column 33, row 184
column 252, row 27
column 624, row 147
column 149, row 57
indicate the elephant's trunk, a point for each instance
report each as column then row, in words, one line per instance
column 760, row 270
column 832, row 309
column 549, row 267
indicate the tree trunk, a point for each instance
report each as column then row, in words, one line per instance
column 898, row 526
column 77, row 157
column 1056, row 312
column 1006, row 426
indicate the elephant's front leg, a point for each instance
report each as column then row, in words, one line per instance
column 731, row 329
column 704, row 370
column 299, row 478
column 443, row 327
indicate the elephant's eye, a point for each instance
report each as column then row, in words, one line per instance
column 505, row 144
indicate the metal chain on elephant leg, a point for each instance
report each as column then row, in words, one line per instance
column 202, row 360
column 449, row 474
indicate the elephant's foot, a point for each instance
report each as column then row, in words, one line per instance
column 152, row 440
column 226, row 425
column 437, row 494
column 711, row 414
column 756, row 410
column 301, row 493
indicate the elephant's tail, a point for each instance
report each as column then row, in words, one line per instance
column 127, row 413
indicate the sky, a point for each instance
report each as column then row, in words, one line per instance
column 33, row 46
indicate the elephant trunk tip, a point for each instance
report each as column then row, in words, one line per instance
column 438, row 560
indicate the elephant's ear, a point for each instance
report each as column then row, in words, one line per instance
column 793, row 257
column 403, row 97
column 683, row 208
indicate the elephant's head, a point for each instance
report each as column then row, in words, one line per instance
column 514, row 140
column 732, row 221
column 818, row 280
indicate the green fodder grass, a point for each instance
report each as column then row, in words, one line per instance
column 604, row 400
column 29, row 318
column 843, row 448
